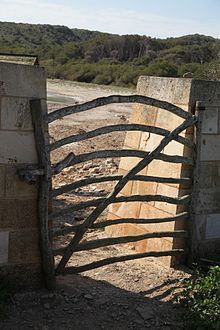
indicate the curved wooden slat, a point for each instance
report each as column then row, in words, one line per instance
column 77, row 159
column 103, row 224
column 184, row 200
column 57, row 114
column 141, row 221
column 117, row 128
column 92, row 180
column 108, row 261
column 95, row 244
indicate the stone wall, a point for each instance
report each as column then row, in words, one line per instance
column 183, row 93
column 19, row 238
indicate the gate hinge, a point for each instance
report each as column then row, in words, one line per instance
column 30, row 175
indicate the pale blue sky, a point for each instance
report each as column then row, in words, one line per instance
column 155, row 18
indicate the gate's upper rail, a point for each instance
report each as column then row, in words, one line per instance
column 60, row 113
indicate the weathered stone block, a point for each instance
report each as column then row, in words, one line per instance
column 148, row 211
column 20, row 277
column 160, row 168
column 22, row 80
column 127, row 163
column 210, row 174
column 210, row 121
column 18, row 214
column 116, row 230
column 17, row 147
column 210, row 147
column 167, row 120
column 24, row 247
column 208, row 201
column 213, row 226
column 174, row 90
column 132, row 140
column 163, row 189
column 16, row 188
column 143, row 114
column 144, row 188
column 149, row 141
column 205, row 91
column 15, row 114
column 209, row 249
column 156, row 244
column 125, row 210
column 4, row 239
column 175, row 148
column 200, row 221
column 2, row 181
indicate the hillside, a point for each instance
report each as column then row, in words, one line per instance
column 92, row 56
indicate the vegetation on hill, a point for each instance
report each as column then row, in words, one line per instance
column 103, row 58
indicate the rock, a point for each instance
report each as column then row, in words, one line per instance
column 88, row 296
column 145, row 312
column 46, row 306
column 95, row 170
column 138, row 321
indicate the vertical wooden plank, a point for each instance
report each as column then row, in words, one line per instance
column 43, row 193
column 193, row 248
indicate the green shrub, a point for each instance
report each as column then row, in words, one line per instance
column 202, row 300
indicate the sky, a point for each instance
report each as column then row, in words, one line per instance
column 155, row 18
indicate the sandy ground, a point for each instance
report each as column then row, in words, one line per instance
column 139, row 294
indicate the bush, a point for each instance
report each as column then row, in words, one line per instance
column 202, row 300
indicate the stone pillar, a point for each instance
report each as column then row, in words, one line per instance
column 206, row 195
column 183, row 93
column 19, row 234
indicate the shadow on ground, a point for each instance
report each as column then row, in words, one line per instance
column 82, row 303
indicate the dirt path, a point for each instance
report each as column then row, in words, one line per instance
column 134, row 295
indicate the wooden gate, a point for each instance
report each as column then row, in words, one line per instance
column 46, row 171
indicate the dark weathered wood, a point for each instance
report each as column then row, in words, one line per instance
column 95, row 244
column 119, row 186
column 103, row 224
column 184, row 200
column 98, row 179
column 143, row 221
column 117, row 128
column 128, row 239
column 62, row 164
column 57, row 114
column 112, row 260
column 43, row 193
column 194, row 244
column 77, row 159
